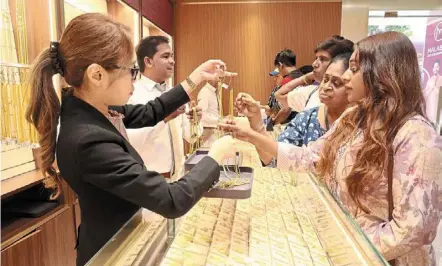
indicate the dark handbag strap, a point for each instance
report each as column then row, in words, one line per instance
column 390, row 191
column 390, row 185
column 310, row 95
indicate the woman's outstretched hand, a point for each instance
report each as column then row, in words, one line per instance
column 246, row 105
column 237, row 130
column 211, row 70
column 249, row 107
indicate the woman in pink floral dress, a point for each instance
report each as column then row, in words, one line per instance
column 352, row 158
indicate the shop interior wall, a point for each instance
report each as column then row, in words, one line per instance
column 247, row 36
column 18, row 159
column 126, row 15
column 73, row 8
column 158, row 12
column 354, row 24
column 37, row 26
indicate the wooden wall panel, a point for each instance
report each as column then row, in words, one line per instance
column 38, row 28
column 247, row 37
column 26, row 251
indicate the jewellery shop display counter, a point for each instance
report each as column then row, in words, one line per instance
column 290, row 219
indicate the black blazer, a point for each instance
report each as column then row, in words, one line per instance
column 109, row 176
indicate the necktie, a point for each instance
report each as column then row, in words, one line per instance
column 217, row 100
column 162, row 88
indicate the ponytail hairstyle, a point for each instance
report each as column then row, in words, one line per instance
column 89, row 38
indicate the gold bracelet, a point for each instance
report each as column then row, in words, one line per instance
column 191, row 83
column 304, row 78
column 261, row 129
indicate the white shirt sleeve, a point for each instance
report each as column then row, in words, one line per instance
column 297, row 99
column 140, row 136
column 314, row 101
column 131, row 100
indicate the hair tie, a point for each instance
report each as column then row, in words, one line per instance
column 53, row 53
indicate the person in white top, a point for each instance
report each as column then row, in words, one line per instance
column 208, row 102
column 161, row 147
column 304, row 98
column 302, row 93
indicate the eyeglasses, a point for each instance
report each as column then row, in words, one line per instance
column 133, row 70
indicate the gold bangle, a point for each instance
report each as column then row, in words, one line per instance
column 190, row 83
column 304, row 78
column 261, row 129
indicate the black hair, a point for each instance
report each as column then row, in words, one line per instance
column 335, row 45
column 344, row 58
column 286, row 57
column 306, row 69
column 148, row 48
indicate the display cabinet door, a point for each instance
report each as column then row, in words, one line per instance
column 18, row 253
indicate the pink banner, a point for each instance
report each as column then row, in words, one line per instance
column 433, row 70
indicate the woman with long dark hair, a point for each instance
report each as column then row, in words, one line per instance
column 95, row 56
column 382, row 158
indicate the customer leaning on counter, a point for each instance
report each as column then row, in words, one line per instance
column 382, row 158
column 95, row 56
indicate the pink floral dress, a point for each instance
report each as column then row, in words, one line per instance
column 417, row 183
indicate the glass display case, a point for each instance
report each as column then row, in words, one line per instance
column 290, row 219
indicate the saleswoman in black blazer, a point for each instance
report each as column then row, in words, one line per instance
column 95, row 56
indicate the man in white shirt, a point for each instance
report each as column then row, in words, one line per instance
column 161, row 147
column 208, row 102
column 304, row 98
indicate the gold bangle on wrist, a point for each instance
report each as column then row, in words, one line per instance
column 304, row 78
column 261, row 128
column 190, row 83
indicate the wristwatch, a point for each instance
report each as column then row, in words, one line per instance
column 191, row 83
